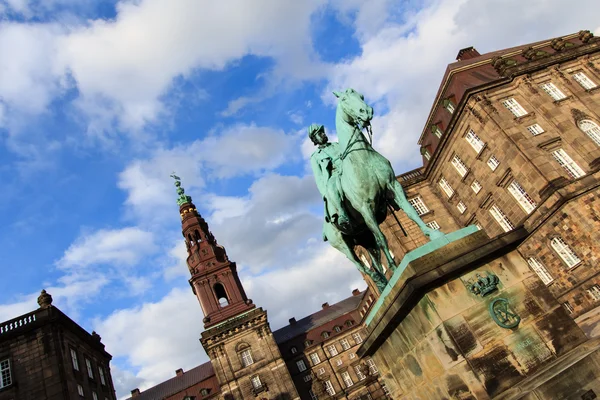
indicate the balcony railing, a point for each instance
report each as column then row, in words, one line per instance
column 411, row 175
column 16, row 323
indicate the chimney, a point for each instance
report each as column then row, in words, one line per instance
column 292, row 321
column 325, row 305
column 179, row 372
column 467, row 53
column 355, row 292
column 135, row 392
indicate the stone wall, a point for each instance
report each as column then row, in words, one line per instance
column 224, row 345
column 449, row 347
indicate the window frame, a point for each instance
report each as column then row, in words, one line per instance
column 253, row 380
column 459, row 165
column 584, row 81
column 493, row 163
column 244, row 354
column 516, row 109
column 565, row 252
column 501, row 218
column 553, row 91
column 593, row 132
column 301, row 365
column 475, row 141
column 6, row 376
column 355, row 335
column 89, row 367
column 476, row 184
column 446, row 188
column 419, row 205
column 540, row 269
column 533, row 129
column 345, row 344
column 433, row 225
column 521, row 196
column 347, row 378
column 332, row 353
column 74, row 359
column 461, row 206
column 568, row 164
column 329, row 387
column 314, row 356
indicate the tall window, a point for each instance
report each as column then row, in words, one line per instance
column 474, row 141
column 256, row 383
column 553, row 91
column 321, row 371
column 540, row 270
column 521, row 196
column 535, row 129
column 301, row 365
column 476, row 186
column 101, row 373
column 426, row 155
column 5, row 375
column 347, row 379
column 74, row 360
column 584, row 81
column 307, row 378
column 437, row 131
column 357, row 338
column 314, row 358
column 449, row 106
column 345, row 344
column 568, row 164
column 325, row 335
column 591, row 129
column 501, row 218
column 247, row 358
column 446, row 187
column 418, row 205
column 372, row 366
column 433, row 225
column 339, row 362
column 94, row 396
column 80, row 390
column 359, row 372
column 565, row 252
column 313, row 396
column 493, row 162
column 568, row 307
column 461, row 207
column 329, row 388
column 293, row 350
column 594, row 292
column 459, row 165
column 90, row 371
column 332, row 350
column 514, row 107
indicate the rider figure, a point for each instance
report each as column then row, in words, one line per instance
column 327, row 167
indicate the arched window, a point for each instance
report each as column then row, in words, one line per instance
column 591, row 129
column 197, row 236
column 293, row 350
column 221, row 295
column 190, row 240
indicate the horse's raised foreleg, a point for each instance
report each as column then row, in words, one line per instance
column 367, row 213
column 337, row 240
column 402, row 202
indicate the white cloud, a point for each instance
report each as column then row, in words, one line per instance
column 120, row 247
column 155, row 338
column 235, row 151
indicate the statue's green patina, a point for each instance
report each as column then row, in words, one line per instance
column 358, row 185
column 183, row 198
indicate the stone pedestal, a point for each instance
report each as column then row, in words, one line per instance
column 469, row 320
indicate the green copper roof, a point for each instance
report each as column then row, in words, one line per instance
column 183, row 198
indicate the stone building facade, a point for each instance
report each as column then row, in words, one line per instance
column 511, row 146
column 46, row 355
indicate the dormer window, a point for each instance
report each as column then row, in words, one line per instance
column 325, row 335
column 448, row 105
column 338, row 329
column 293, row 350
column 349, row 322
column 307, row 343
column 204, row 392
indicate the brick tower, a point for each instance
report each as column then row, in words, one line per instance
column 237, row 336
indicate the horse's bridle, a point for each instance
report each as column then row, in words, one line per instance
column 353, row 139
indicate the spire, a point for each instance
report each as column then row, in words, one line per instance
column 183, row 198
column 214, row 279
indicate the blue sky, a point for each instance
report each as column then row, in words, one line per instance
column 101, row 101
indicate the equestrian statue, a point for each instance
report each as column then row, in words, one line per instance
column 358, row 185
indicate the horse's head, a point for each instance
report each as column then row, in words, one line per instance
column 356, row 111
